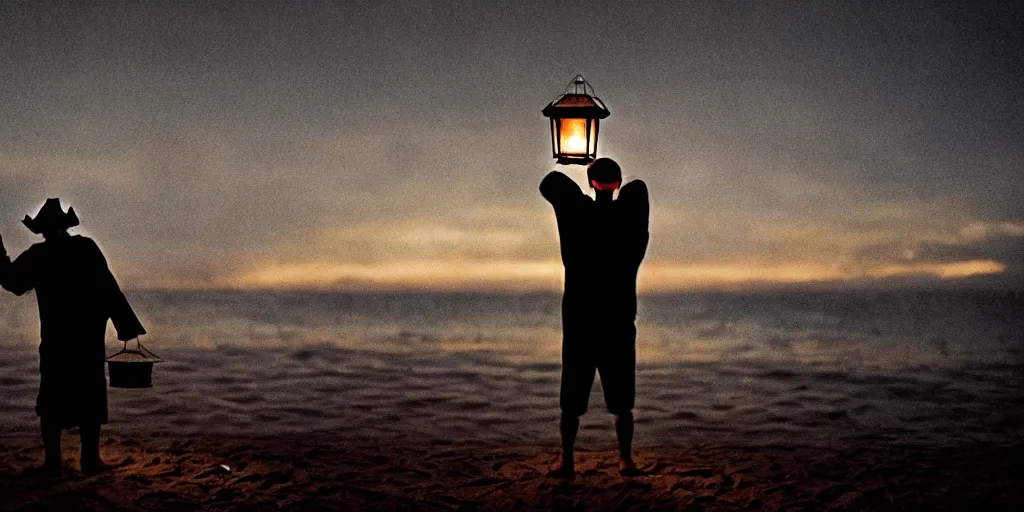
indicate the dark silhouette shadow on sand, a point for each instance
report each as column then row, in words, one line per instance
column 603, row 241
column 76, row 294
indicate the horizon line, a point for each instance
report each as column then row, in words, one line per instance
column 950, row 285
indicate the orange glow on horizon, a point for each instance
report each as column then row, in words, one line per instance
column 547, row 275
column 445, row 275
column 955, row 270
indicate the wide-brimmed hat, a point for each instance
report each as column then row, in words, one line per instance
column 51, row 217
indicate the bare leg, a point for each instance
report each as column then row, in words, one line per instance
column 51, row 446
column 624, row 431
column 91, row 462
column 568, row 425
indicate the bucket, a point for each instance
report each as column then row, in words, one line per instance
column 132, row 368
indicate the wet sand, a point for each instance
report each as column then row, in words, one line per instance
column 333, row 472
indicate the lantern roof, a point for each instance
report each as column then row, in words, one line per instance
column 580, row 102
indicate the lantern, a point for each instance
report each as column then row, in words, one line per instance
column 575, row 117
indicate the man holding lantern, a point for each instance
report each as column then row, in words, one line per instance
column 603, row 241
column 76, row 294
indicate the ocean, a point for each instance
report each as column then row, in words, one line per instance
column 761, row 368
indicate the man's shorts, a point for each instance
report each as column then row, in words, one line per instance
column 609, row 349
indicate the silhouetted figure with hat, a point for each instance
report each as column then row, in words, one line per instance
column 603, row 241
column 76, row 294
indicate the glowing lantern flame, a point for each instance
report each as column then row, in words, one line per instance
column 574, row 136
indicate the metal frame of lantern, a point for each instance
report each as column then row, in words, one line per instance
column 575, row 121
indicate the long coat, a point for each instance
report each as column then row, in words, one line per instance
column 76, row 294
column 602, row 245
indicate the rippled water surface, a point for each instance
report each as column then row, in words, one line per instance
column 816, row 368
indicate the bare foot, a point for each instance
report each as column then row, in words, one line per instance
column 563, row 471
column 94, row 468
column 628, row 468
column 47, row 470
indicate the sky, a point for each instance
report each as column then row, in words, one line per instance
column 399, row 145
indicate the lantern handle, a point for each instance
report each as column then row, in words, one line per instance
column 140, row 349
column 577, row 83
column 138, row 344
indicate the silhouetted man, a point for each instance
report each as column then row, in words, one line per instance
column 603, row 241
column 76, row 294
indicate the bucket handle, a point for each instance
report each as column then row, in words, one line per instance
column 141, row 349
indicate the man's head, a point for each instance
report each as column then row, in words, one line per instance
column 51, row 220
column 604, row 174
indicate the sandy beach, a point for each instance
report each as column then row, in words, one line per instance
column 334, row 472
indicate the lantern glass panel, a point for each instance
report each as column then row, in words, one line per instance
column 592, row 136
column 573, row 137
column 554, row 136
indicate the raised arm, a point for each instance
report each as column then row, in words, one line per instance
column 18, row 276
column 560, row 190
column 633, row 197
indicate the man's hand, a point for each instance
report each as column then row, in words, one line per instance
column 130, row 335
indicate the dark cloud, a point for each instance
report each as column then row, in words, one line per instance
column 1004, row 247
